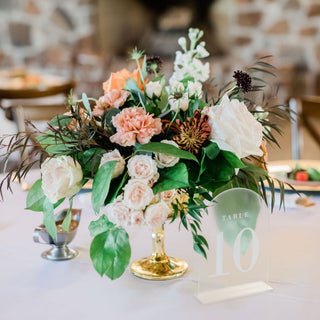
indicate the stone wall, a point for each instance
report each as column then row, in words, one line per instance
column 287, row 29
column 43, row 32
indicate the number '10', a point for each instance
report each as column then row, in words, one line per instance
column 236, row 252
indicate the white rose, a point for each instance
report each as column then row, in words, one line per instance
column 143, row 167
column 164, row 160
column 137, row 194
column 61, row 177
column 195, row 88
column 234, row 128
column 168, row 196
column 156, row 214
column 153, row 88
column 182, row 103
column 114, row 156
column 118, row 213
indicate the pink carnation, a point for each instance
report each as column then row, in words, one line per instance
column 134, row 124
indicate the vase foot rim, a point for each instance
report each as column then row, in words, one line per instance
column 147, row 269
column 65, row 255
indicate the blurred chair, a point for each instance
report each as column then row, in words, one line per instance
column 36, row 104
column 304, row 111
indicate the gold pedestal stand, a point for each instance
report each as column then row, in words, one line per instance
column 159, row 266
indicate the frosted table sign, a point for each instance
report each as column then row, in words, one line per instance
column 238, row 257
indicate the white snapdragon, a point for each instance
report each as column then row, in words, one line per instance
column 187, row 63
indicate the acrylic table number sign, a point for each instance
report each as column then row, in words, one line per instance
column 238, row 259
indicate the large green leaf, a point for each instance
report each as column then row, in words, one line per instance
column 53, row 144
column 172, row 178
column 243, row 203
column 101, row 184
column 110, row 252
column 168, row 149
column 48, row 218
column 211, row 150
column 233, row 159
column 101, row 225
column 61, row 120
column 36, row 197
column 89, row 161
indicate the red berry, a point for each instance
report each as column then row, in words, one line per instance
column 302, row 176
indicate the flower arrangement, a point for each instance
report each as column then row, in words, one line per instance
column 153, row 151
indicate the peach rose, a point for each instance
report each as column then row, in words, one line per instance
column 118, row 213
column 142, row 167
column 114, row 156
column 118, row 79
column 137, row 194
column 156, row 214
column 112, row 99
column 134, row 124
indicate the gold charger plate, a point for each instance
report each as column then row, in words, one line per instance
column 279, row 170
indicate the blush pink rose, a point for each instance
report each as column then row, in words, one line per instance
column 118, row 213
column 168, row 196
column 114, row 156
column 137, row 194
column 134, row 124
column 142, row 167
column 112, row 99
column 137, row 218
column 156, row 214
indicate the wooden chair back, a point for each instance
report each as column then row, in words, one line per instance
column 305, row 111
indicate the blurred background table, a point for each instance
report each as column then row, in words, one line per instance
column 34, row 288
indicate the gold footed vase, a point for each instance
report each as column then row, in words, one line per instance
column 159, row 266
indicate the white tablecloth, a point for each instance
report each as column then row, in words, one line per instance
column 34, row 288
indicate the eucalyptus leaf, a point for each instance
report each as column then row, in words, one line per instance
column 86, row 104
column 159, row 147
column 101, row 184
column 110, row 252
column 101, row 225
column 48, row 218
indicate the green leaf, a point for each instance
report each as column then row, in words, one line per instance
column 48, row 218
column 61, row 120
column 67, row 219
column 36, row 197
column 101, row 184
column 110, row 252
column 86, row 104
column 197, row 247
column 172, row 178
column 89, row 161
column 159, row 147
column 101, row 225
column 211, row 150
column 233, row 159
column 107, row 117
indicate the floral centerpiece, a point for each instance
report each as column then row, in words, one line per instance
column 153, row 151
